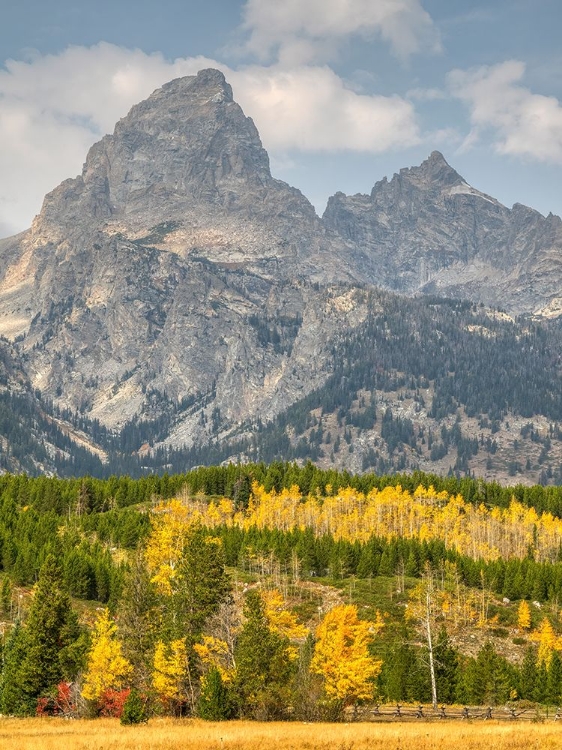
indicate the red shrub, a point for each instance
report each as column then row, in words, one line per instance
column 62, row 703
column 112, row 701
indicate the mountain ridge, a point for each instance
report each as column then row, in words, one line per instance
column 177, row 280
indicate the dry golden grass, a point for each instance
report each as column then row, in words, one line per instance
column 167, row 734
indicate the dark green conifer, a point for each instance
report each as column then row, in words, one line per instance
column 263, row 669
column 134, row 710
column 214, row 700
column 50, row 630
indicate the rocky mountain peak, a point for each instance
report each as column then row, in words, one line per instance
column 187, row 142
column 434, row 171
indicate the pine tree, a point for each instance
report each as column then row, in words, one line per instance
column 50, row 628
column 490, row 679
column 13, row 653
column 528, row 675
column 263, row 669
column 138, row 622
column 446, row 668
column 554, row 680
column 134, row 710
column 203, row 582
column 402, row 678
column 214, row 701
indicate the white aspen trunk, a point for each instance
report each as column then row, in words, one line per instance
column 430, row 650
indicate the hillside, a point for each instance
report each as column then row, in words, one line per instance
column 360, row 547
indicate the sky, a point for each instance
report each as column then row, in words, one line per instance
column 343, row 92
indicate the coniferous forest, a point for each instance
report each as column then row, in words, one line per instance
column 276, row 592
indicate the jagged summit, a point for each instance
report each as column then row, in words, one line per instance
column 427, row 229
column 188, row 140
column 209, row 81
column 187, row 156
column 435, row 169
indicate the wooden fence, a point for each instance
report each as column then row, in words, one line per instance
column 400, row 712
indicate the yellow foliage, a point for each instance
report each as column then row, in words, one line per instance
column 170, row 524
column 349, row 514
column 280, row 619
column 548, row 641
column 341, row 655
column 170, row 669
column 214, row 652
column 524, row 616
column 107, row 667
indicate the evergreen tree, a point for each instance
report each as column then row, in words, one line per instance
column 489, row 679
column 49, row 630
column 528, row 675
column 134, row 709
column 554, row 680
column 307, row 686
column 13, row 653
column 446, row 668
column 203, row 582
column 138, row 622
column 541, row 693
column 402, row 677
column 214, row 700
column 263, row 669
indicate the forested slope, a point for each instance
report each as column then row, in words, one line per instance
column 176, row 579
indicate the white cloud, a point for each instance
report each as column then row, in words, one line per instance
column 53, row 107
column 310, row 109
column 525, row 124
column 302, row 31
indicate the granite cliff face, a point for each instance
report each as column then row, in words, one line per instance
column 427, row 230
column 176, row 278
column 156, row 278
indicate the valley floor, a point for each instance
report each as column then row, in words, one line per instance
column 169, row 734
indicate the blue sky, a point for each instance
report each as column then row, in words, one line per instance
column 343, row 92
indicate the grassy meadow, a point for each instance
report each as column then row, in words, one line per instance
column 170, row 734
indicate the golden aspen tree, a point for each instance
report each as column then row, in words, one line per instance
column 547, row 641
column 524, row 616
column 171, row 523
column 282, row 621
column 349, row 514
column 215, row 653
column 107, row 667
column 171, row 671
column 342, row 658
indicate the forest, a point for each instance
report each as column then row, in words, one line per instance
column 276, row 592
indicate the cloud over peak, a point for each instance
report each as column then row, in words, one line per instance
column 523, row 123
column 297, row 31
column 53, row 107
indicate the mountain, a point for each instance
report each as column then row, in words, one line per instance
column 157, row 261
column 175, row 304
column 426, row 230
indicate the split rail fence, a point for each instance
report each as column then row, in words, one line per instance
column 410, row 713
